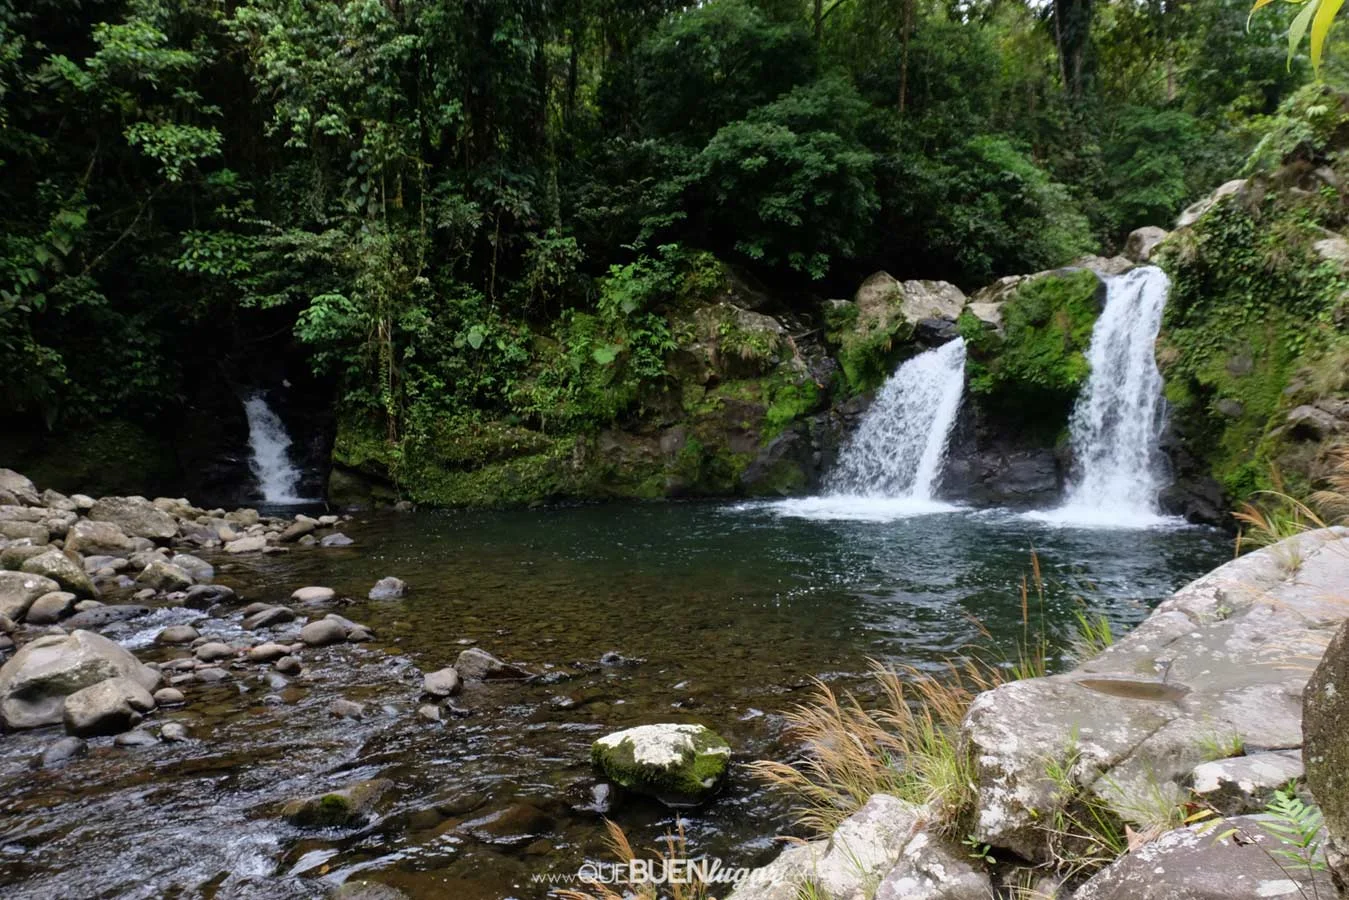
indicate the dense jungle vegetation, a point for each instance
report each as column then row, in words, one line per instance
column 475, row 210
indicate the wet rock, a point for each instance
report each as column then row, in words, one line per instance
column 515, row 825
column 204, row 596
column 1313, row 423
column 94, row 564
column 174, row 732
column 195, row 566
column 62, row 752
column 1245, row 784
column 336, row 539
column 1142, row 241
column 210, row 675
column 323, row 633
column 50, row 608
column 347, row 709
column 136, row 516
column 295, row 531
column 106, row 615
column 109, row 707
column 288, row 665
column 99, row 538
column 680, row 765
column 169, row 697
column 20, row 487
column 19, row 590
column 1325, row 749
column 933, row 332
column 429, row 711
column 368, row 890
column 177, row 634
column 474, row 664
column 389, row 588
column 15, row 555
column 246, row 545
column 314, row 596
column 66, row 572
column 269, row 617
column 1191, row 863
column 137, row 737
column 359, row 634
column 615, row 659
column 442, row 682
column 165, row 576
column 36, row 681
column 351, row 805
column 268, row 652
column 215, row 651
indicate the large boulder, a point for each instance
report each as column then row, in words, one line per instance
column 19, row 531
column 1142, row 241
column 930, row 868
column 99, row 539
column 164, row 576
column 111, row 706
column 66, row 572
column 18, row 590
column 35, row 683
column 680, row 765
column 49, row 608
column 1325, row 748
column 20, row 487
column 136, row 516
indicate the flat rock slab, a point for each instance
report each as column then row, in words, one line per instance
column 1224, row 658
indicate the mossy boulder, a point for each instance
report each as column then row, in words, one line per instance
column 679, row 765
column 351, row 805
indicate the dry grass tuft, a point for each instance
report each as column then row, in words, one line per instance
column 621, row 849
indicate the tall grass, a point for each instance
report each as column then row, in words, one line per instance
column 621, row 849
column 1271, row 516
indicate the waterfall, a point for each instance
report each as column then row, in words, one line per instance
column 1118, row 418
column 269, row 456
column 900, row 446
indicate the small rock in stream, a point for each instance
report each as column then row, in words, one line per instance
column 287, row 665
column 347, row 709
column 169, row 697
column 269, row 618
column 214, row 651
column 479, row 665
column 389, row 588
column 210, row 675
column 351, row 805
column 268, row 652
column 204, row 596
column 313, row 595
column 178, row 634
column 174, row 732
column 429, row 711
column 136, row 738
column 61, row 752
column 323, row 633
column 442, row 683
column 336, row 539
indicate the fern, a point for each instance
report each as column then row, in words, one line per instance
column 1297, row 826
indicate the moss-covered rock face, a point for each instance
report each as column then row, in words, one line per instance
column 1032, row 372
column 680, row 765
column 1254, row 347
column 109, row 457
column 349, row 806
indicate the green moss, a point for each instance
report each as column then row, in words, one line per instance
column 692, row 778
column 1035, row 370
column 866, row 352
column 789, row 401
column 100, row 458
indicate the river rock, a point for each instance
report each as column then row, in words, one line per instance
column 368, row 890
column 198, row 568
column 346, row 709
column 296, row 530
column 269, row 617
column 99, row 538
column 313, row 595
column 210, row 675
column 288, row 665
column 49, row 608
column 247, row 545
column 429, row 711
column 109, row 707
column 1130, row 734
column 351, row 805
column 1142, row 241
column 1194, row 864
column 177, row 634
column 268, row 652
column 25, row 531
column 136, row 737
column 204, row 596
column 1325, row 752
column 16, row 554
column 18, row 590
column 20, row 486
column 106, row 615
column 57, row 500
column 63, row 570
column 62, row 752
column 169, row 697
column 336, row 539
column 680, row 765
column 215, row 651
column 1245, row 784
column 35, row 682
column 389, row 588
column 479, row 665
column 174, row 732
column 323, row 632
column 165, row 576
column 442, row 682
column 136, row 516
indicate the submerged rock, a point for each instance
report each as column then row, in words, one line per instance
column 61, row 752
column 479, row 665
column 389, row 588
column 35, row 683
column 106, row 615
column 336, row 539
column 680, row 765
column 351, row 805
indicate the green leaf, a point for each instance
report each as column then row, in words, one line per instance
column 605, row 355
column 476, row 336
column 1299, row 27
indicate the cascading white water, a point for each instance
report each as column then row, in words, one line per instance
column 269, row 457
column 1118, row 419
column 899, row 448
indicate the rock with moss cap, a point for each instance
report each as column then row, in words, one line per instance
column 679, row 765
column 351, row 805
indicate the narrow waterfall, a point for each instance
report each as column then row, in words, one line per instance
column 900, row 446
column 1118, row 419
column 269, row 456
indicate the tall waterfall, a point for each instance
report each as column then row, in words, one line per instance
column 1118, row 419
column 900, row 446
column 269, row 456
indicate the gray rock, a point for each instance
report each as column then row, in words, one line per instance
column 164, row 576
column 368, row 890
column 680, row 765
column 442, row 683
column 106, row 615
column 1325, row 749
column 429, row 711
column 177, row 634
column 1246, row 784
column 1195, row 210
column 137, row 737
column 932, row 869
column 247, row 545
column 99, row 538
column 1142, row 241
column 204, row 596
column 288, row 665
column 30, row 531
column 83, row 502
column 295, row 531
column 269, row 617
column 347, row 709
column 359, row 635
column 57, row 500
column 1193, row 864
column 351, row 805
column 174, row 732
column 195, row 566
column 50, row 608
column 66, row 572
column 474, row 664
column 18, row 590
column 62, row 752
column 109, row 707
column 336, row 539
column 18, row 485
column 322, row 633
column 169, row 697
column 16, row 554
column 268, row 652
column 136, row 516
column 36, row 681
column 314, row 595
column 210, row 675
column 215, row 651
column 389, row 588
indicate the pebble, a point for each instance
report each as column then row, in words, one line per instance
column 429, row 712
column 169, row 697
column 214, row 651
column 268, row 652
column 288, row 665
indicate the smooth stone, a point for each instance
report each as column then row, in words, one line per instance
column 269, row 618
column 442, row 683
column 268, row 652
column 99, row 538
column 62, row 752
column 178, row 634
column 36, row 682
column 50, row 608
column 169, row 697
column 246, row 545
column 174, row 732
column 429, row 711
column 204, row 596
column 165, row 576
column 389, row 588
column 136, row 516
column 18, row 590
column 210, row 675
column 336, row 539
column 360, row 634
column 288, row 665
column 323, row 633
column 109, row 707
column 106, row 615
column 474, row 664
column 347, row 709
column 296, row 531
column 137, row 737
column 215, row 651
column 313, row 595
